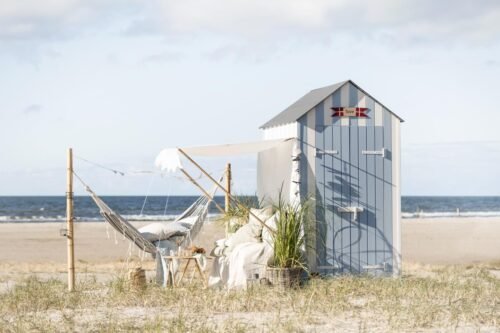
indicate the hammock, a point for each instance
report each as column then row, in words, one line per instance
column 192, row 218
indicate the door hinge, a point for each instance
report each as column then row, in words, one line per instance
column 320, row 152
column 380, row 152
column 381, row 267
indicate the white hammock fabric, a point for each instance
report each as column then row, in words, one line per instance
column 192, row 218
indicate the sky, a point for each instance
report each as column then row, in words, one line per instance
column 118, row 80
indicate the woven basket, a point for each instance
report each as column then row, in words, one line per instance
column 137, row 278
column 284, row 278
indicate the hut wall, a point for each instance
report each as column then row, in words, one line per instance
column 338, row 170
column 281, row 132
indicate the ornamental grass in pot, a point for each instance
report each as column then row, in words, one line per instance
column 288, row 263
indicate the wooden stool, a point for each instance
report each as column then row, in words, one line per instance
column 190, row 259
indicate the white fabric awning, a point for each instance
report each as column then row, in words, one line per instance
column 169, row 159
column 233, row 148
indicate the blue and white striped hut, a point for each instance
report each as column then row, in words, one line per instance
column 350, row 167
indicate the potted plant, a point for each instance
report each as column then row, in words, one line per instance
column 288, row 263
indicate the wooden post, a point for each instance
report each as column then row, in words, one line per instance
column 69, row 222
column 227, row 202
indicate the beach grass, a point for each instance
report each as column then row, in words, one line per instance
column 425, row 298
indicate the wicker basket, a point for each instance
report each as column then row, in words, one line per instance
column 284, row 278
column 137, row 278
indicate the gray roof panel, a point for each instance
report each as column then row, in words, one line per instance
column 308, row 102
column 304, row 104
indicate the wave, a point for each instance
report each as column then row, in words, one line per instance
column 59, row 218
column 38, row 219
column 407, row 215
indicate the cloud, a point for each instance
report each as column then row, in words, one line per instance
column 260, row 23
column 413, row 21
column 32, row 109
column 492, row 63
column 29, row 20
column 162, row 57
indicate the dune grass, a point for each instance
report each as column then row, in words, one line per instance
column 447, row 298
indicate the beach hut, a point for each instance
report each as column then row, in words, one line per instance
column 349, row 166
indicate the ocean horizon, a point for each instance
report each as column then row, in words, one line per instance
column 157, row 208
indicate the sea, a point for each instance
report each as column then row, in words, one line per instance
column 158, row 208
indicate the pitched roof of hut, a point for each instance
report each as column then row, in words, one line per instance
column 308, row 102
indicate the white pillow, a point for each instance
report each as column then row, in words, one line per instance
column 267, row 236
column 244, row 234
column 263, row 214
column 160, row 231
column 221, row 242
column 218, row 250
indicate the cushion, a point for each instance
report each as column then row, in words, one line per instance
column 219, row 248
column 267, row 236
column 263, row 214
column 220, row 243
column 244, row 234
column 160, row 231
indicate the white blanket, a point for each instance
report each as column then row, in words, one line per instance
column 246, row 260
column 233, row 266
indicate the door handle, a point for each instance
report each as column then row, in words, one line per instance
column 354, row 210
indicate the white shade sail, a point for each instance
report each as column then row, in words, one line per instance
column 233, row 148
column 169, row 160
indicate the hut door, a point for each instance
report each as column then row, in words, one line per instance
column 352, row 195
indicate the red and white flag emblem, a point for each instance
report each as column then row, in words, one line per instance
column 349, row 112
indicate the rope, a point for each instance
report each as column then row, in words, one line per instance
column 166, row 202
column 87, row 188
column 136, row 172
column 116, row 172
column 147, row 194
column 183, row 179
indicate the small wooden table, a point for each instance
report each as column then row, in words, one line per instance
column 190, row 259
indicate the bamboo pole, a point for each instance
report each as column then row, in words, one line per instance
column 69, row 222
column 202, row 189
column 224, row 190
column 227, row 201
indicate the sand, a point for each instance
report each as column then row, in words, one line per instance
column 37, row 249
column 447, row 241
column 425, row 241
column 94, row 242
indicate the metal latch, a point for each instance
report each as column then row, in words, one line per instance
column 380, row 152
column 353, row 210
column 320, row 152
